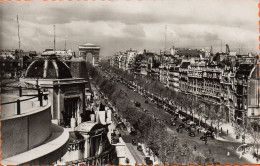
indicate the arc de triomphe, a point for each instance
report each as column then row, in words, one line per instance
column 85, row 49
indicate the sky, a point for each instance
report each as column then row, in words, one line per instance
column 118, row 25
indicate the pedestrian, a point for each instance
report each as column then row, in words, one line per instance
column 209, row 151
column 227, row 131
column 195, row 148
column 228, row 154
column 221, row 129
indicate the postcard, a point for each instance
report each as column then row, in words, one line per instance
column 129, row 82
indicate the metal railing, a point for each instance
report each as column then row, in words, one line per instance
column 39, row 95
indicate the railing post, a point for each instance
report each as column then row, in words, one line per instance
column 18, row 107
column 20, row 91
column 39, row 91
column 40, row 97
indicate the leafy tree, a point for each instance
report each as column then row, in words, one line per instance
column 217, row 116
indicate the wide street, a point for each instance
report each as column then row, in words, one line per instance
column 139, row 157
column 218, row 149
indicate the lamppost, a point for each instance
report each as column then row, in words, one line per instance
column 244, row 134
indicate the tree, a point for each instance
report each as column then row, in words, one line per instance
column 255, row 134
column 217, row 116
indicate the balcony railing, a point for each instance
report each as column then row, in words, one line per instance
column 18, row 102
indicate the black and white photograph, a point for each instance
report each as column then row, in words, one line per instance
column 129, row 82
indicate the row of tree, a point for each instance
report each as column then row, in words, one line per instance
column 169, row 148
column 190, row 104
column 187, row 103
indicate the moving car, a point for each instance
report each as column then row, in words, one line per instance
column 203, row 138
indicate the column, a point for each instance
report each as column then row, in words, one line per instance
column 72, row 122
column 78, row 113
column 86, row 145
column 59, row 111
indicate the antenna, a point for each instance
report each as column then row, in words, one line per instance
column 19, row 52
column 65, row 45
column 54, row 49
column 221, row 45
column 18, row 34
column 165, row 38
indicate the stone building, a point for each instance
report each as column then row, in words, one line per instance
column 67, row 94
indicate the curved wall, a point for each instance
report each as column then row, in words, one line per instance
column 21, row 133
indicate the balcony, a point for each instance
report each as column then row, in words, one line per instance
column 28, row 136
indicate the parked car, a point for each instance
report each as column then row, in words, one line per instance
column 146, row 101
column 210, row 134
column 179, row 130
column 184, row 120
column 137, row 104
column 148, row 161
column 139, row 148
column 134, row 142
column 172, row 120
column 176, row 115
column 157, row 120
column 188, row 129
column 203, row 124
column 173, row 123
column 191, row 134
column 183, row 154
column 193, row 125
column 181, row 125
column 164, row 120
column 113, row 134
column 189, row 122
column 145, row 110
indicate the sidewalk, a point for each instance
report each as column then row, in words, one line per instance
column 231, row 136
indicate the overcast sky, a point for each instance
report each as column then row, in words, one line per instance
column 138, row 24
